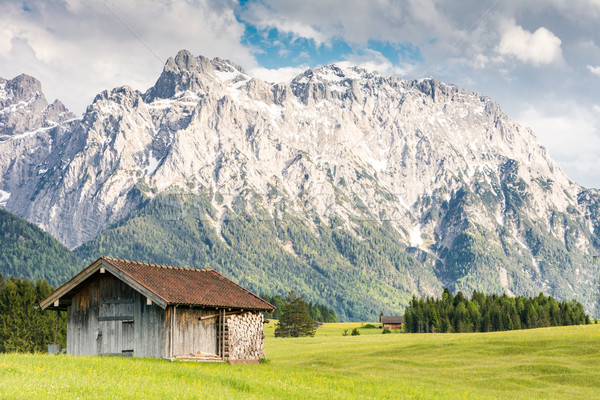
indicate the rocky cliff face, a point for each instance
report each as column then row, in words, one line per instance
column 472, row 195
column 28, row 127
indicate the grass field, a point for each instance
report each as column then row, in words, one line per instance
column 550, row 363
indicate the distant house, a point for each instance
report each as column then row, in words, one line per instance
column 391, row 322
column 120, row 307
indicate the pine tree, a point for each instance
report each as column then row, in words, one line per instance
column 295, row 319
column 23, row 327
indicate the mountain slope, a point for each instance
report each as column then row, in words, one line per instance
column 27, row 251
column 268, row 254
column 376, row 174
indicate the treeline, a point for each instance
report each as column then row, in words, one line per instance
column 24, row 327
column 489, row 313
column 318, row 312
column 29, row 252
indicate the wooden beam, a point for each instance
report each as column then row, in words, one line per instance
column 217, row 315
column 118, row 301
column 116, row 318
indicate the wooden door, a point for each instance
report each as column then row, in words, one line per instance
column 116, row 327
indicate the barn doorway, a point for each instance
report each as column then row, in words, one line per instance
column 116, row 330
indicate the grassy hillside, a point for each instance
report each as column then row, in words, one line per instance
column 27, row 251
column 534, row 364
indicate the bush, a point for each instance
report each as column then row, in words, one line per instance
column 345, row 332
column 369, row 326
column 386, row 330
column 355, row 332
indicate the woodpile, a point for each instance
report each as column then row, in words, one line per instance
column 246, row 336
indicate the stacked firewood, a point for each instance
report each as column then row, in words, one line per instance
column 246, row 336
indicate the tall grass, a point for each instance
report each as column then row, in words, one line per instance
column 549, row 363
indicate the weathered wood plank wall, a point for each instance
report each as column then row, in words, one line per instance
column 106, row 316
column 149, row 329
column 189, row 333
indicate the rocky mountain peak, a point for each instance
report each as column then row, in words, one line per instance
column 23, row 107
column 23, row 88
column 337, row 82
column 124, row 96
column 224, row 65
column 186, row 72
column 441, row 169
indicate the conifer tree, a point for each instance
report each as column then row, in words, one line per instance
column 489, row 313
column 295, row 319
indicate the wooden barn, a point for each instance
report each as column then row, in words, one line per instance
column 391, row 321
column 120, row 307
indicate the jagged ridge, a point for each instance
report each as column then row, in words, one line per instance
column 470, row 194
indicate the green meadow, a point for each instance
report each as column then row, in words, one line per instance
column 548, row 363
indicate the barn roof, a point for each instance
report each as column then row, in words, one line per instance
column 167, row 285
column 391, row 319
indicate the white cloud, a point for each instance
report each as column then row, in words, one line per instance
column 537, row 48
column 594, row 70
column 571, row 133
column 369, row 60
column 355, row 21
column 374, row 61
column 277, row 75
column 78, row 48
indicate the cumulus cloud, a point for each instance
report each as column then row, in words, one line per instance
column 277, row 75
column 78, row 48
column 536, row 48
column 369, row 60
column 571, row 133
column 594, row 70
column 374, row 61
column 356, row 21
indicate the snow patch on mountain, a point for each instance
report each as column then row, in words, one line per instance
column 415, row 236
column 4, row 196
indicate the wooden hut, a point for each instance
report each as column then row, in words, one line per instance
column 391, row 321
column 120, row 307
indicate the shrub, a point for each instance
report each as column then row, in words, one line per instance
column 355, row 332
column 386, row 330
column 369, row 326
column 345, row 332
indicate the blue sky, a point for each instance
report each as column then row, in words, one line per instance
column 540, row 59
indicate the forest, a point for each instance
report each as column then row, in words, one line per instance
column 23, row 326
column 29, row 252
column 487, row 313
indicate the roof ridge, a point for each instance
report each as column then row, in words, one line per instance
column 163, row 266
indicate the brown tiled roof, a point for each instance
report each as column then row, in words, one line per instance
column 190, row 286
column 391, row 319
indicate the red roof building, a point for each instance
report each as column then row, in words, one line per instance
column 392, row 321
column 138, row 309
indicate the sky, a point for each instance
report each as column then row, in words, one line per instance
column 540, row 59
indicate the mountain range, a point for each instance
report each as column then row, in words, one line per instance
column 356, row 189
